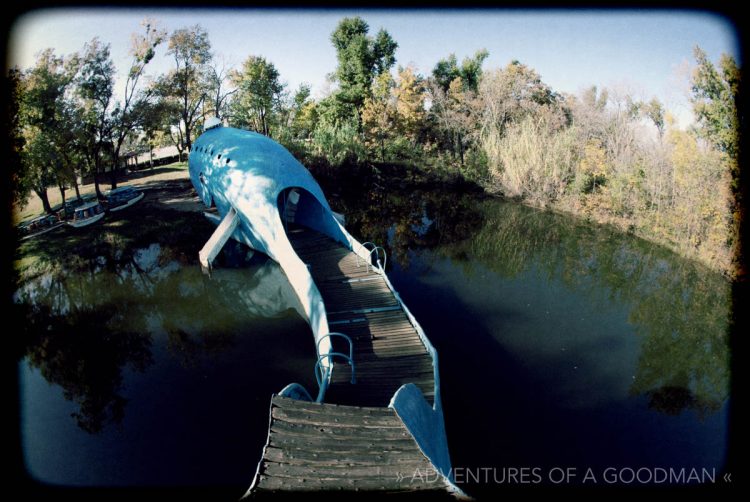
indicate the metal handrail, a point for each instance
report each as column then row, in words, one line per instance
column 323, row 374
column 334, row 333
column 377, row 255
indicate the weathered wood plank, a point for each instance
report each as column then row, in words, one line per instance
column 339, row 456
column 279, row 483
column 384, row 473
column 331, row 420
column 330, row 408
column 343, row 433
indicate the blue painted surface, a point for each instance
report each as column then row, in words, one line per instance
column 425, row 424
column 232, row 168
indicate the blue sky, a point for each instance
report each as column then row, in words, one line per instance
column 643, row 52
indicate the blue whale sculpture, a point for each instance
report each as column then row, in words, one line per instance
column 257, row 188
column 254, row 182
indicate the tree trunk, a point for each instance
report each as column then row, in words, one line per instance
column 75, row 185
column 61, row 187
column 188, row 141
column 42, row 194
column 97, row 168
column 460, row 148
column 151, row 157
column 115, row 167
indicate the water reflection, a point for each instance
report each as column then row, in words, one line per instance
column 83, row 330
column 678, row 309
column 84, row 351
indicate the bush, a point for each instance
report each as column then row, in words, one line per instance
column 531, row 160
column 338, row 144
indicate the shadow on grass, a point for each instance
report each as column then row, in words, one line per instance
column 145, row 173
column 179, row 233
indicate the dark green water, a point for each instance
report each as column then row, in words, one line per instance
column 153, row 374
column 562, row 345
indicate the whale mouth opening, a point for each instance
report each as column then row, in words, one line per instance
column 298, row 207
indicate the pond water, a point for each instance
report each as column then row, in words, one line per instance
column 150, row 373
column 561, row 344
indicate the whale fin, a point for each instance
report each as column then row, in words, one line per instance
column 221, row 235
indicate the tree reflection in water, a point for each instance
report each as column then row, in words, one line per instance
column 85, row 329
column 679, row 308
column 85, row 353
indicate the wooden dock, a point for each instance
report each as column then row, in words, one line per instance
column 323, row 447
column 387, row 349
column 353, row 441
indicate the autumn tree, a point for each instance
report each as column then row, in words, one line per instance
column 456, row 113
column 453, row 95
column 302, row 114
column 379, row 114
column 128, row 112
column 511, row 93
column 409, row 98
column 186, row 85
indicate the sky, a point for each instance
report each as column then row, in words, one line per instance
column 646, row 53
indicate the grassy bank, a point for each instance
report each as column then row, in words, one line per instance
column 169, row 215
column 33, row 206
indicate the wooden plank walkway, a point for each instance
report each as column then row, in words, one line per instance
column 353, row 441
column 388, row 351
column 323, row 447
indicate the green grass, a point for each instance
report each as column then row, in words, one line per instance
column 33, row 206
column 178, row 165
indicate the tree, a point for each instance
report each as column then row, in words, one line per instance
column 470, row 71
column 379, row 114
column 453, row 91
column 409, row 96
column 45, row 129
column 96, row 87
column 715, row 104
column 655, row 112
column 218, row 76
column 456, row 113
column 187, row 83
column 301, row 119
column 510, row 93
column 258, row 94
column 156, row 119
column 13, row 125
column 715, row 101
column 361, row 58
column 127, row 114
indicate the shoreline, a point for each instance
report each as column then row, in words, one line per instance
column 168, row 189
